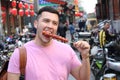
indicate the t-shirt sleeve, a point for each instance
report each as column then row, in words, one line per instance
column 13, row 66
column 75, row 61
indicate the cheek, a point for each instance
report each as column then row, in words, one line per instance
column 39, row 30
column 55, row 30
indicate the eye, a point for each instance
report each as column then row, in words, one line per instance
column 55, row 23
column 46, row 20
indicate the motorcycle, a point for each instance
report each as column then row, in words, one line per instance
column 97, row 62
column 112, row 59
column 80, row 35
column 106, row 60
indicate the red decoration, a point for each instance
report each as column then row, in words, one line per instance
column 21, row 12
column 20, row 5
column 3, row 8
column 14, row 11
column 26, row 6
column 3, row 17
column 10, row 10
column 26, row 12
column 32, row 13
column 14, row 3
column 31, row 6
column 3, row 14
column 57, row 1
column 79, row 14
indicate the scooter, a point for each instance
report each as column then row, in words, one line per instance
column 112, row 59
column 97, row 62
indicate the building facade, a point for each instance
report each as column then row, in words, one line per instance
column 11, row 17
column 109, row 9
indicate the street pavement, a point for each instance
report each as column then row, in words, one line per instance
column 70, row 76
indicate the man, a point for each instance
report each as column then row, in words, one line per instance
column 48, row 58
column 17, row 30
column 62, row 29
column 72, row 30
column 104, row 35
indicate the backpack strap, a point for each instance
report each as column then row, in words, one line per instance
column 23, row 59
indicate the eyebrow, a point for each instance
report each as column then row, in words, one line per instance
column 49, row 19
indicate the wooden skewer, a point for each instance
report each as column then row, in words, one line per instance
column 54, row 36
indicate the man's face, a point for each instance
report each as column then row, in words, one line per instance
column 47, row 21
column 107, row 25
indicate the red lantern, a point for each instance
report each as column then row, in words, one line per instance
column 3, row 17
column 21, row 12
column 78, row 14
column 31, row 6
column 3, row 14
column 32, row 13
column 26, row 6
column 14, row 3
column 26, row 12
column 14, row 11
column 3, row 8
column 20, row 5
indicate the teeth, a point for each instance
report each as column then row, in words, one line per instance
column 49, row 32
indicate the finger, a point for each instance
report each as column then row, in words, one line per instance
column 76, row 44
column 81, row 44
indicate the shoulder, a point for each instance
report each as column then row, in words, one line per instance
column 30, row 43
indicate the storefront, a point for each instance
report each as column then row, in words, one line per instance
column 1, row 27
column 13, row 14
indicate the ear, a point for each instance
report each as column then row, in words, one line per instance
column 35, row 24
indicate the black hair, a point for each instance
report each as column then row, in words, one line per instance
column 106, row 22
column 71, row 23
column 47, row 9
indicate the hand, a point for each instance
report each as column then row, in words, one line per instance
column 83, row 47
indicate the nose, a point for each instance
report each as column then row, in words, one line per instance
column 50, row 25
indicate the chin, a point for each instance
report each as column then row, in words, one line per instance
column 46, row 40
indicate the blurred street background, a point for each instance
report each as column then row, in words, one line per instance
column 69, row 38
column 79, row 20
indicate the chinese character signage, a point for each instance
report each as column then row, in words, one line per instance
column 46, row 3
column 28, row 1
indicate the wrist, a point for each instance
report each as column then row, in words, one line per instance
column 86, row 56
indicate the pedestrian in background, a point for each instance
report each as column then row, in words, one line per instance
column 62, row 29
column 72, row 30
column 48, row 58
column 25, row 30
column 81, row 25
column 17, row 30
column 104, row 35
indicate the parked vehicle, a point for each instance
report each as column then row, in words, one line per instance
column 91, row 23
column 97, row 62
column 80, row 35
column 113, row 58
column 106, row 60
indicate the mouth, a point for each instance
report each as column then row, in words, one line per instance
column 51, row 35
column 47, row 34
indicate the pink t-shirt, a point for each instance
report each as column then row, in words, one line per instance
column 53, row 62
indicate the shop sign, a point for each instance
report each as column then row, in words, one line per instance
column 28, row 1
column 45, row 3
column 56, row 1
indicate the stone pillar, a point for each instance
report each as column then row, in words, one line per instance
column 36, row 5
column 1, row 26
